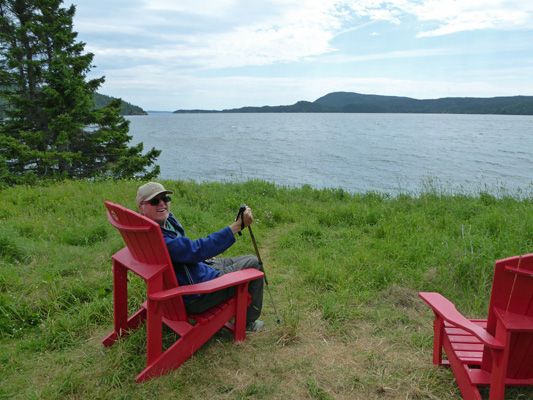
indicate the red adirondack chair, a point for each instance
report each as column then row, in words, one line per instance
column 497, row 351
column 146, row 255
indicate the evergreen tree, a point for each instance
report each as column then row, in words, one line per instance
column 49, row 126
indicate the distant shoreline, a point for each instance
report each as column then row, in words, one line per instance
column 348, row 102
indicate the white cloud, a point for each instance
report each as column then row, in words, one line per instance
column 392, row 55
column 453, row 16
column 263, row 32
column 214, row 8
column 150, row 49
column 243, row 33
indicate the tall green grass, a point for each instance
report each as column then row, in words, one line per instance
column 332, row 257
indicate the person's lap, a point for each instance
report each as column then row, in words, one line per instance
column 227, row 265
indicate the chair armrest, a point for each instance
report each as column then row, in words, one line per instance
column 446, row 310
column 227, row 280
column 514, row 322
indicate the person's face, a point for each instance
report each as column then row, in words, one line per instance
column 158, row 212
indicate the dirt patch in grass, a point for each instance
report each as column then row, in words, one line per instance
column 316, row 365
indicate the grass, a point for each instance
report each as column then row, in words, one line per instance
column 344, row 270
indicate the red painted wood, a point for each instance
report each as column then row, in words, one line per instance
column 496, row 352
column 146, row 255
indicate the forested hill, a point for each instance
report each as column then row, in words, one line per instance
column 347, row 102
column 101, row 100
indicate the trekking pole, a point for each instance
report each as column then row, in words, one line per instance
column 241, row 214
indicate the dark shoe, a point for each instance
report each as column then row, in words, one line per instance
column 254, row 326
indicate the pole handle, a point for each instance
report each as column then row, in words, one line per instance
column 242, row 209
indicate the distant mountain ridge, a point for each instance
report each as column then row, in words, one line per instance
column 349, row 102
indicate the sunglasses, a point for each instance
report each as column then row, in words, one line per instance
column 155, row 202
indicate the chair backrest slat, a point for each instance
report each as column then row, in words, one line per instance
column 521, row 299
column 502, row 287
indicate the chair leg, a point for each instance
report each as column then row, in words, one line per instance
column 122, row 324
column 240, row 312
column 500, row 361
column 171, row 359
column 185, row 346
column 154, row 333
column 438, row 333
column 497, row 380
column 120, row 296
column 133, row 322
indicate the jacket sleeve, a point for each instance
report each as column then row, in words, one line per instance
column 187, row 251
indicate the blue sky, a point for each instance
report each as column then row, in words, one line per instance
column 219, row 54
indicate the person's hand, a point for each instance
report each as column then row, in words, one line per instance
column 246, row 216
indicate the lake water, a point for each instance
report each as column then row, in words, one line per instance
column 357, row 152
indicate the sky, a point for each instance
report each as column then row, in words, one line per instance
column 165, row 55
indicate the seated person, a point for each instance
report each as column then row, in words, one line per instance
column 194, row 260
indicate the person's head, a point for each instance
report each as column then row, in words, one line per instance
column 153, row 201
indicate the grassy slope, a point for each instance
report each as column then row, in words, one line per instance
column 344, row 271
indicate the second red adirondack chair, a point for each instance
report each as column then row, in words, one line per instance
column 497, row 351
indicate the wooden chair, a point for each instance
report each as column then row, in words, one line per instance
column 497, row 351
column 146, row 255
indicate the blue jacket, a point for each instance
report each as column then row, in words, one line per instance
column 188, row 255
